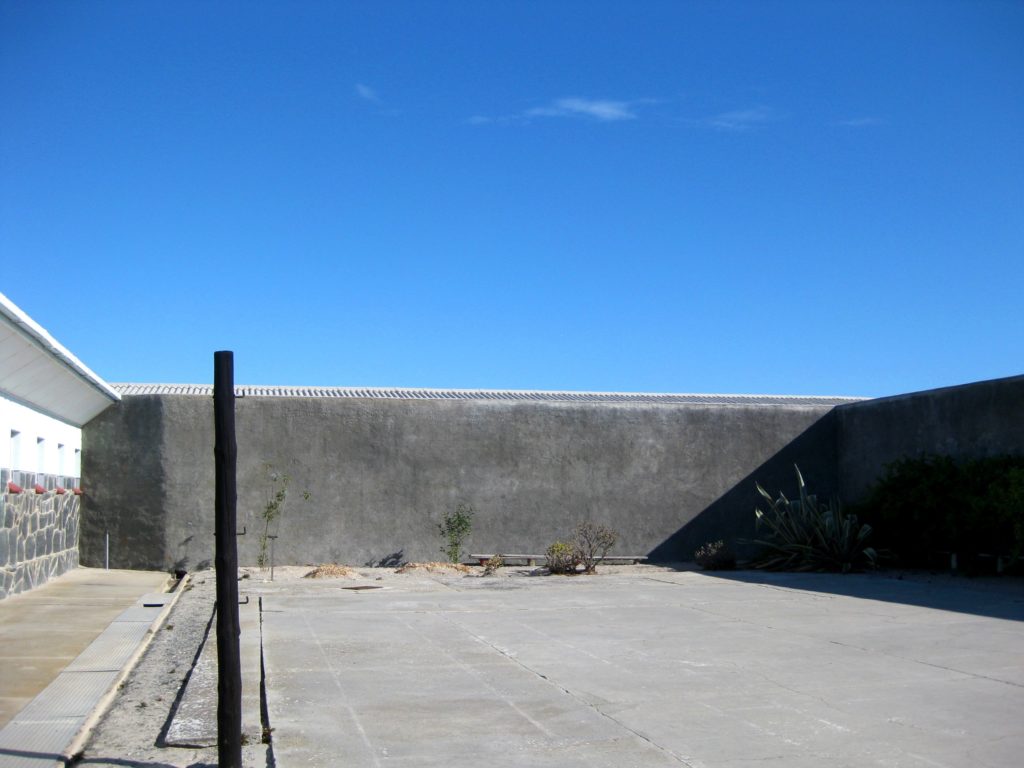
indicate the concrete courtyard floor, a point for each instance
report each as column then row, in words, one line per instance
column 641, row 667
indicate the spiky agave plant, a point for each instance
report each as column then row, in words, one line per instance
column 807, row 535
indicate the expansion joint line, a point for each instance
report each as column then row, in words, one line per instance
column 964, row 672
column 349, row 709
column 569, row 692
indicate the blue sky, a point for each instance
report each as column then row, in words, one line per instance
column 752, row 197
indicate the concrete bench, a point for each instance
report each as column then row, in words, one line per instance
column 1002, row 561
column 532, row 559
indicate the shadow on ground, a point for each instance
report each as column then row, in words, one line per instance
column 996, row 597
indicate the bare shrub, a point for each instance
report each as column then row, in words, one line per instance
column 493, row 564
column 591, row 542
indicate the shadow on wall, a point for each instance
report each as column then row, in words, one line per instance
column 393, row 560
column 731, row 516
column 996, row 597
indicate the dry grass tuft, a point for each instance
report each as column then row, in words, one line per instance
column 331, row 570
column 434, row 567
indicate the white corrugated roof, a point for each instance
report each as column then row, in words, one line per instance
column 35, row 369
column 405, row 393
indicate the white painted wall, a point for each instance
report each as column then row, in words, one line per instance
column 40, row 442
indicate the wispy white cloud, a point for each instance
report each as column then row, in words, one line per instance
column 367, row 93
column 742, row 119
column 860, row 122
column 599, row 110
column 603, row 110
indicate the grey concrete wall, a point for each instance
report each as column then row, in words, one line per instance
column 38, row 531
column 382, row 473
column 123, row 457
column 985, row 418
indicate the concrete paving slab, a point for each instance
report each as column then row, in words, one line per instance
column 667, row 668
column 63, row 647
column 30, row 744
column 44, row 629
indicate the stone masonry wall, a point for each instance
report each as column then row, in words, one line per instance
column 38, row 531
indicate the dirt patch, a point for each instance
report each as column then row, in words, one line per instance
column 332, row 571
column 435, row 568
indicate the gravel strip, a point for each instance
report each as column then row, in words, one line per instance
column 131, row 732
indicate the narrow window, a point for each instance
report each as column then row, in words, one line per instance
column 40, row 454
column 61, row 459
column 15, row 449
column 77, row 468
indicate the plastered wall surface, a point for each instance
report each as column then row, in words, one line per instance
column 382, row 473
column 985, row 418
column 31, row 441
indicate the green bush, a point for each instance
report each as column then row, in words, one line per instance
column 562, row 557
column 931, row 504
column 807, row 535
column 454, row 529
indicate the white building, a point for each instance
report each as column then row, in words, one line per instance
column 46, row 395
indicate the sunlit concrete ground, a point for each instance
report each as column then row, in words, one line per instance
column 644, row 667
column 44, row 629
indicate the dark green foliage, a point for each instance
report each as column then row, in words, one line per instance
column 715, row 556
column 454, row 530
column 807, row 535
column 934, row 504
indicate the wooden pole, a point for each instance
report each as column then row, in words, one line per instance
column 229, row 670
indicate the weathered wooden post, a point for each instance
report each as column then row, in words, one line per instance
column 229, row 677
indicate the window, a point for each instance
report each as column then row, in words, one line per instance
column 77, row 467
column 15, row 449
column 40, row 454
column 61, row 466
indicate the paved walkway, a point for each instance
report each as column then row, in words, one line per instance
column 664, row 669
column 61, row 647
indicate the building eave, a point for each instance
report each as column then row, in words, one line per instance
column 38, row 371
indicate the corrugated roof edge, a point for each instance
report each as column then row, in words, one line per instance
column 45, row 341
column 406, row 393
